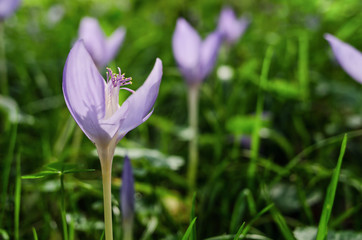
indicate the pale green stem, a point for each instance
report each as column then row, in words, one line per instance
column 62, row 205
column 128, row 229
column 193, row 106
column 106, row 158
column 3, row 73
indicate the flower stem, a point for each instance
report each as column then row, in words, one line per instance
column 62, row 205
column 193, row 105
column 107, row 197
column 127, row 229
column 3, row 73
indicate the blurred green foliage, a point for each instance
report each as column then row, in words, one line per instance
column 308, row 98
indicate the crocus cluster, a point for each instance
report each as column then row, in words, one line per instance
column 347, row 56
column 7, row 8
column 101, row 48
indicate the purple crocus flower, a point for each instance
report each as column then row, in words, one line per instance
column 102, row 49
column 94, row 103
column 127, row 194
column 231, row 27
column 347, row 56
column 7, row 8
column 195, row 58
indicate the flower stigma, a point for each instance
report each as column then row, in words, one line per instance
column 115, row 82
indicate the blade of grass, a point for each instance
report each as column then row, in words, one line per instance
column 17, row 197
column 188, row 234
column 6, row 166
column 264, row 210
column 309, row 150
column 35, row 235
column 193, row 217
column 240, row 207
column 347, row 214
column 303, row 64
column 255, row 142
column 237, row 235
column 62, row 206
column 331, row 192
column 4, row 234
column 282, row 224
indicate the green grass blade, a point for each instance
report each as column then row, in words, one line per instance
column 237, row 235
column 189, row 230
column 264, row 210
column 282, row 224
column 35, row 235
column 62, row 206
column 331, row 192
column 6, row 166
column 255, row 141
column 303, row 64
column 4, row 234
column 17, row 197
column 193, row 217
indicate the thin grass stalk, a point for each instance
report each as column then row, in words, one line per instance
column 62, row 206
column 4, row 88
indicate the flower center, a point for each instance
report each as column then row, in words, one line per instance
column 115, row 82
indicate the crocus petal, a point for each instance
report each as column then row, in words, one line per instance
column 7, row 7
column 127, row 191
column 141, row 102
column 94, row 39
column 113, row 43
column 348, row 57
column 83, row 89
column 209, row 52
column 230, row 26
column 186, row 44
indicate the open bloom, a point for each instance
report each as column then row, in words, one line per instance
column 102, row 49
column 231, row 27
column 347, row 56
column 7, row 8
column 94, row 103
column 195, row 58
column 127, row 191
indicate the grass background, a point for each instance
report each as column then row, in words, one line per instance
column 308, row 103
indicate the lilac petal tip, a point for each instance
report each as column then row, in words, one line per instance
column 347, row 56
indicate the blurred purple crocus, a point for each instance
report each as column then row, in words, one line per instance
column 7, row 8
column 195, row 58
column 347, row 56
column 231, row 27
column 102, row 49
column 127, row 198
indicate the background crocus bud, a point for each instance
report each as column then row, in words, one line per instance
column 195, row 57
column 231, row 27
column 7, row 8
column 127, row 191
column 102, row 49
